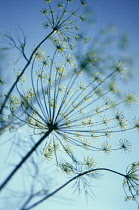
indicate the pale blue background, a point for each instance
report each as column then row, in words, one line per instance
column 124, row 15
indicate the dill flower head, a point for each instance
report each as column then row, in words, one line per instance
column 75, row 112
column 58, row 100
column 130, row 183
column 63, row 21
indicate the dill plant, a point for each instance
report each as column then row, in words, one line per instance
column 64, row 108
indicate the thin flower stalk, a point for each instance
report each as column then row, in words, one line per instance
column 77, row 177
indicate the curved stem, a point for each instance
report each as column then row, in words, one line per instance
column 20, row 75
column 72, row 179
column 24, row 159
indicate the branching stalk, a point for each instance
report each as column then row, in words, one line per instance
column 20, row 75
column 69, row 181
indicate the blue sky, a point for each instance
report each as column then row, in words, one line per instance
column 124, row 15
